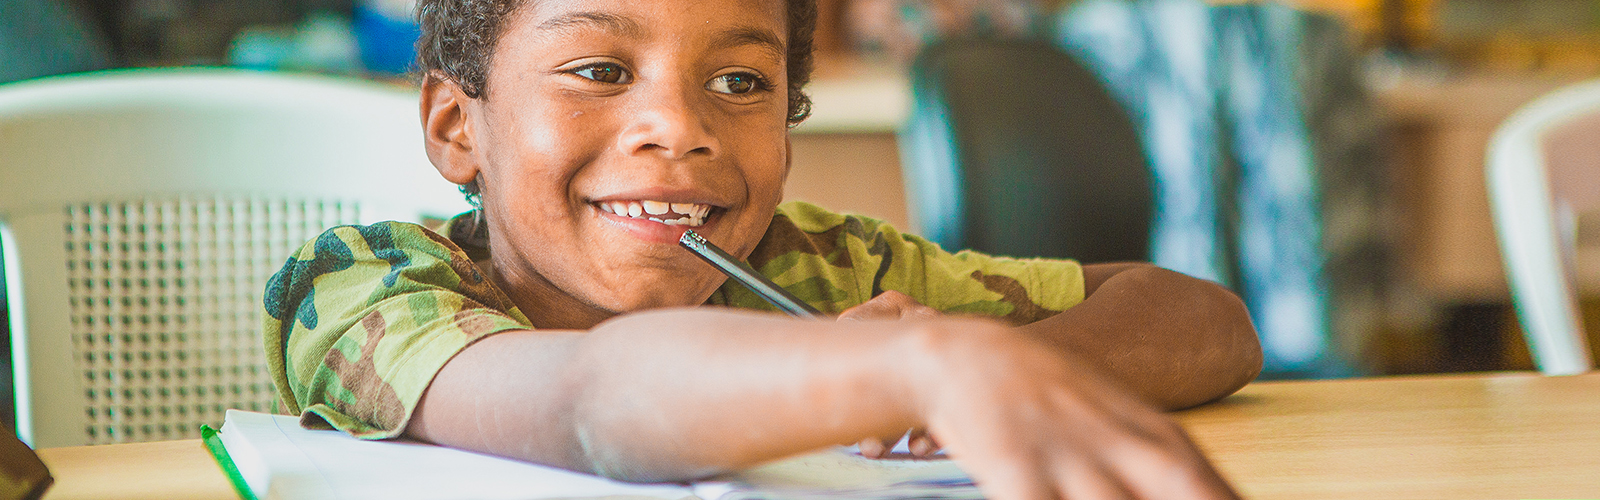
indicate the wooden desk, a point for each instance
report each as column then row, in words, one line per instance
column 1474, row 436
column 165, row 470
column 1471, row 436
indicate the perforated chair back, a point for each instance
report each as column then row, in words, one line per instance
column 1543, row 170
column 143, row 212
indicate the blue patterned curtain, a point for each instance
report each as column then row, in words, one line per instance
column 1217, row 90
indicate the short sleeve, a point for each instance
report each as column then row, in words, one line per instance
column 838, row 261
column 359, row 321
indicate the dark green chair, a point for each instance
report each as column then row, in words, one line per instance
column 1014, row 148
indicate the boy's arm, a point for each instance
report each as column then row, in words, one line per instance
column 683, row 394
column 1177, row 341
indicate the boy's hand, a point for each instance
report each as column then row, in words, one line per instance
column 919, row 441
column 891, row 305
column 1032, row 423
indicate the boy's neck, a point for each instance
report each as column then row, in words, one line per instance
column 543, row 303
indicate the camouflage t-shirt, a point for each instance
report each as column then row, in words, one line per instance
column 360, row 319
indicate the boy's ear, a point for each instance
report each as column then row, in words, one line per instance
column 447, row 129
column 788, row 157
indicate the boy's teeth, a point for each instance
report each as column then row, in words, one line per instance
column 681, row 221
column 678, row 214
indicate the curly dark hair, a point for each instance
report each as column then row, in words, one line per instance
column 458, row 39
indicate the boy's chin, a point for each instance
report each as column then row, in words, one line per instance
column 667, row 295
column 647, row 305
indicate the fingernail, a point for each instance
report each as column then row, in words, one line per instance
column 921, row 446
column 871, row 449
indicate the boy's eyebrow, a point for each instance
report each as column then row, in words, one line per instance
column 749, row 35
column 730, row 38
column 603, row 20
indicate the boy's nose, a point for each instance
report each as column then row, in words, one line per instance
column 671, row 123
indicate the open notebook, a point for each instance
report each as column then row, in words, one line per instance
column 271, row 457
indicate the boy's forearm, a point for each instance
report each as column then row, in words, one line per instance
column 668, row 395
column 1175, row 340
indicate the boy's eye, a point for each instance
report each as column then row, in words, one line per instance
column 603, row 73
column 736, row 83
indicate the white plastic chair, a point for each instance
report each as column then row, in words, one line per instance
column 142, row 212
column 1543, row 169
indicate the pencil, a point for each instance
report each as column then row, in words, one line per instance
column 748, row 277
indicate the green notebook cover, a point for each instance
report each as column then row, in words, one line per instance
column 220, row 454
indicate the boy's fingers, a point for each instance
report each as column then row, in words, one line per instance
column 1095, row 482
column 918, row 311
column 1159, row 474
column 890, row 305
column 922, row 444
column 871, row 310
column 873, row 448
column 886, row 305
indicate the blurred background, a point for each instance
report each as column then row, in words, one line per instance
column 1324, row 158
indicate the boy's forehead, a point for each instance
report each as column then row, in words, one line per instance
column 634, row 19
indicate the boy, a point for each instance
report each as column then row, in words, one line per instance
column 556, row 324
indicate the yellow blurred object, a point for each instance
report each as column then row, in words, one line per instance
column 1510, row 53
column 1366, row 16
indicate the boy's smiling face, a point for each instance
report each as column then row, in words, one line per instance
column 598, row 115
